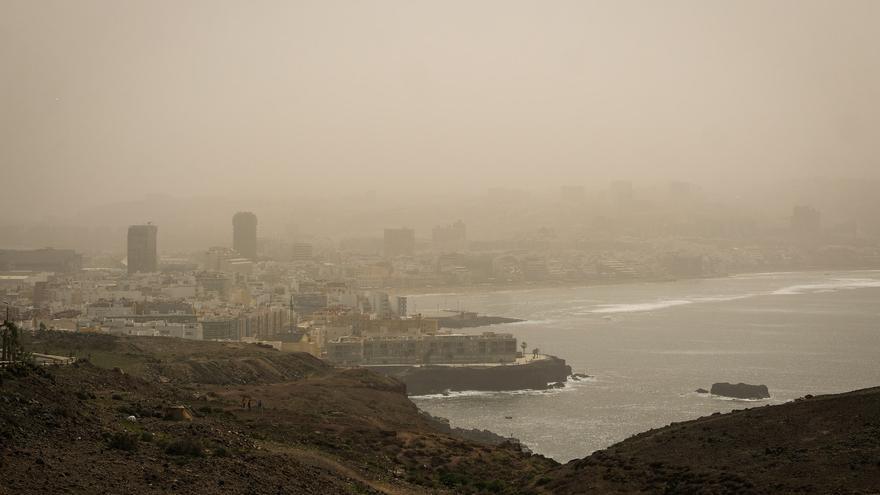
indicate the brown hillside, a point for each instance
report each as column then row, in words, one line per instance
column 319, row 429
column 827, row 444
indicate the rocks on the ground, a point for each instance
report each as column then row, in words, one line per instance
column 178, row 413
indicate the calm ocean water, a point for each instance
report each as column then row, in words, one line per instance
column 649, row 346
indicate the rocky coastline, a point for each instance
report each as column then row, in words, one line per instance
column 539, row 374
column 474, row 321
column 100, row 425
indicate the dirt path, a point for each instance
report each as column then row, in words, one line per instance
column 322, row 461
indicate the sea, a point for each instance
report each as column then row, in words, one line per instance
column 649, row 346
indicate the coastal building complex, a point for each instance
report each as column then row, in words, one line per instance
column 486, row 348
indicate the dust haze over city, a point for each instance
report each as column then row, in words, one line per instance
column 527, row 230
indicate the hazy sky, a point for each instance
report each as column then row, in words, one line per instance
column 106, row 100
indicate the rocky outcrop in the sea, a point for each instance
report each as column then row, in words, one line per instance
column 740, row 391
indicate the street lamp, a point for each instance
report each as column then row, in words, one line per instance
column 3, row 335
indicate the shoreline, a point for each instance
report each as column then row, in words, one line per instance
column 451, row 290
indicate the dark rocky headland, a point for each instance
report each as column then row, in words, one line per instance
column 312, row 428
column 423, row 380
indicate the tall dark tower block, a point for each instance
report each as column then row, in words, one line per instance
column 244, row 234
column 142, row 255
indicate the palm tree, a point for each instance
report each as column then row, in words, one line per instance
column 523, row 345
column 10, row 343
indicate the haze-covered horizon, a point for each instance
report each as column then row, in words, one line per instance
column 108, row 102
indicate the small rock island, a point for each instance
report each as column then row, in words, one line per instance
column 740, row 391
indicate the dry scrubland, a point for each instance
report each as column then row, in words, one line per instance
column 327, row 430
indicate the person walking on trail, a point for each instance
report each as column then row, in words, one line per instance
column 260, row 405
column 249, row 404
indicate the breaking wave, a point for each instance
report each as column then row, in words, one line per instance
column 637, row 307
column 832, row 286
column 569, row 386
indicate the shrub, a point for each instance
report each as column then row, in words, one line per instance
column 123, row 441
column 493, row 486
column 63, row 411
column 185, row 447
column 451, row 479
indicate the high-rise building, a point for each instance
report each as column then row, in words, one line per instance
column 244, row 234
column 142, row 255
column 41, row 294
column 399, row 242
column 444, row 235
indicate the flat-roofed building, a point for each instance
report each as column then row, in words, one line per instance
column 40, row 260
column 302, row 251
column 220, row 329
column 489, row 347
